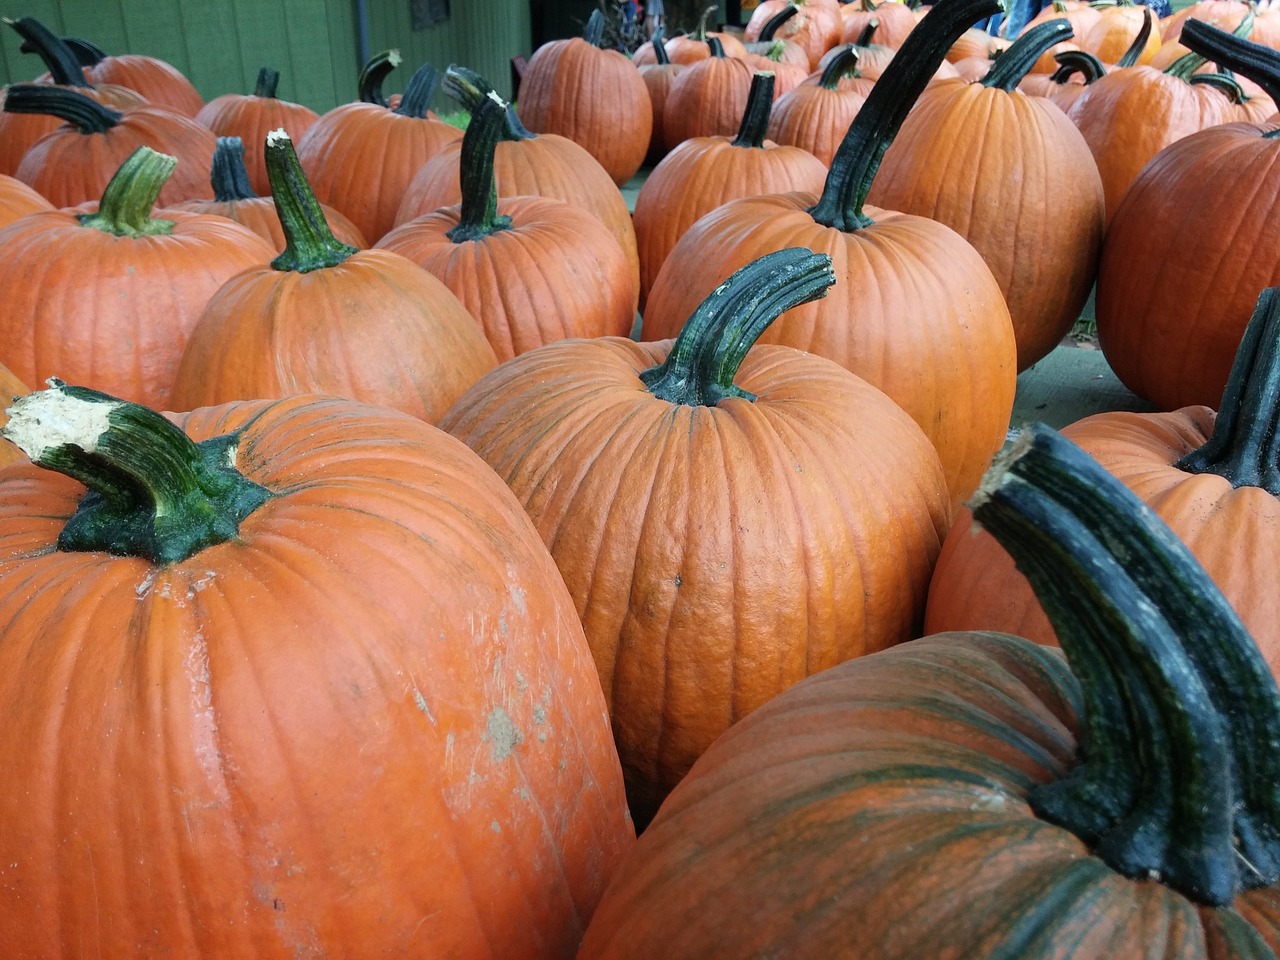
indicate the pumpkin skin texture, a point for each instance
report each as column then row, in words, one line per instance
column 717, row 554
column 708, row 99
column 364, row 727
column 17, row 200
column 160, row 82
column 10, row 388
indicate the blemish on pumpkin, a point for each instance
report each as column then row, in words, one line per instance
column 495, row 826
column 521, row 683
column 420, row 702
column 503, row 735
column 679, row 581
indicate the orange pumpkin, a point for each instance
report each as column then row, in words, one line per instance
column 658, row 77
column 815, row 115
column 1117, row 28
column 10, row 389
column 894, row 21
column 17, row 200
column 817, row 26
column 159, row 81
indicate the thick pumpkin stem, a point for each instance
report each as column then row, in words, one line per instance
column 309, row 243
column 1233, row 52
column 701, row 32
column 373, row 74
column 1078, row 61
column 125, row 208
column 774, row 23
column 419, row 92
column 659, row 46
column 1130, row 57
column 268, row 80
column 472, row 90
column 1224, row 83
column 755, row 119
column 700, row 369
column 843, row 64
column 59, row 59
column 891, row 99
column 479, row 188
column 153, row 492
column 229, row 177
column 1016, row 62
column 88, row 53
column 1177, row 776
column 864, row 38
column 715, row 46
column 84, row 113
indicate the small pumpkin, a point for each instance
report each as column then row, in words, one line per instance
column 158, row 80
column 816, row 114
column 658, row 77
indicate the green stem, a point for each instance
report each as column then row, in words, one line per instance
column 59, row 59
column 1224, row 83
column 700, row 34
column 1015, row 63
column 1130, row 57
column 84, row 113
column 711, row 346
column 1078, row 61
column 864, row 38
column 1231, row 52
column 843, row 64
column 1163, row 787
column 309, row 243
column 374, row 73
column 130, row 196
column 659, row 47
column 419, row 92
column 886, row 107
column 229, row 178
column 716, row 47
column 268, row 79
column 472, row 90
column 593, row 32
column 479, row 216
column 87, row 53
column 777, row 20
column 755, row 118
column 153, row 493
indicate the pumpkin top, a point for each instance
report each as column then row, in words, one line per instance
column 1231, row 51
column 309, row 243
column 229, row 177
column 130, row 196
column 479, row 217
column 1014, row 63
column 373, row 74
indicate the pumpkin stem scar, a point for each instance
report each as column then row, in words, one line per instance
column 309, row 243
column 1179, row 773
column 479, row 217
column 153, row 492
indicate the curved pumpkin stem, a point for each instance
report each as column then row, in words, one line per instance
column 419, row 92
column 1078, row 61
column 843, row 64
column 700, row 369
column 479, row 189
column 84, row 113
column 59, row 59
column 1231, row 51
column 1014, row 63
column 472, row 90
column 374, row 73
column 127, row 201
column 773, row 24
column 228, row 176
column 154, row 493
column 701, row 32
column 659, row 46
column 864, row 38
column 1130, row 57
column 1224, row 83
column 1139, row 620
column 886, row 107
column 755, row 118
column 89, row 54
column 309, row 243
column 268, row 80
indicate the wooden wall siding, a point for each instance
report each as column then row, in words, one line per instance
column 218, row 44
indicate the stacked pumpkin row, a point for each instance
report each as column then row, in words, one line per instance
column 708, row 520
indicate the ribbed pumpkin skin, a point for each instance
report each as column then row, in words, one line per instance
column 707, row 172
column 68, row 167
column 369, row 726
column 544, row 166
column 594, row 97
column 360, row 157
column 707, row 100
column 1170, row 314
column 717, row 555
column 555, row 273
column 251, row 118
column 1232, row 532
column 814, row 118
column 1115, row 31
column 658, row 78
column 160, row 82
column 17, row 200
column 375, row 328
column 107, row 312
column 259, row 215
column 915, row 311
column 878, row 811
column 1013, row 176
column 10, row 387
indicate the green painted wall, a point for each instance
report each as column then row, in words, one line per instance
column 220, row 44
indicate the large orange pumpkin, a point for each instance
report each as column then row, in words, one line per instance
column 727, row 521
column 308, row 685
column 817, row 113
column 158, row 80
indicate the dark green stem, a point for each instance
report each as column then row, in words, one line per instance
column 1012, row 66
column 229, row 178
column 593, row 32
column 419, row 92
column 716, row 47
column 659, row 47
column 153, row 492
column 374, row 73
column 843, row 64
column 1177, row 699
column 711, row 346
column 59, row 59
column 1078, row 61
column 887, row 105
column 309, row 243
column 864, row 38
column 1130, row 57
column 89, row 54
column 130, row 196
column 777, row 20
column 755, row 119
column 479, row 216
column 700, row 34
column 84, row 113
column 1231, row 52
column 1224, row 83
column 268, row 79
column 472, row 90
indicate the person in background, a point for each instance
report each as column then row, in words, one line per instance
column 654, row 17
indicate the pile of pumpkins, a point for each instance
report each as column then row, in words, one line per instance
column 404, row 526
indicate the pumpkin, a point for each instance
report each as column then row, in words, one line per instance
column 530, row 270
column 592, row 96
column 1074, row 63
column 1117, row 28
column 109, row 296
column 817, row 26
column 1213, row 478
column 894, row 21
column 10, row 389
column 1081, row 15
column 689, row 48
column 815, row 115
column 708, row 98
column 1154, row 290
column 251, row 117
column 159, row 81
column 703, row 173
column 968, row 795
column 658, row 77
column 1013, row 176
column 315, row 680
column 323, row 317
column 727, row 521
column 73, row 164
column 916, row 310
column 767, row 44
column 359, row 157
column 17, row 200
column 235, row 199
